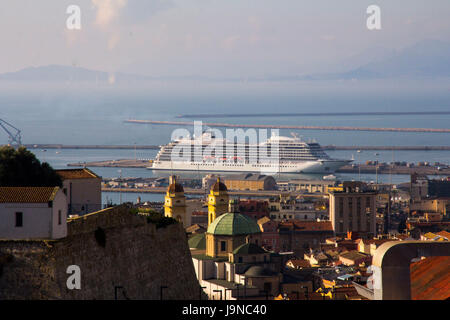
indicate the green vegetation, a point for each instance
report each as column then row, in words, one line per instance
column 21, row 168
column 159, row 220
column 155, row 217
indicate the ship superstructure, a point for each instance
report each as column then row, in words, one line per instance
column 278, row 155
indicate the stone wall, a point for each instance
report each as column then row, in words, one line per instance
column 113, row 247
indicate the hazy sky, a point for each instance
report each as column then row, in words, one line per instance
column 211, row 37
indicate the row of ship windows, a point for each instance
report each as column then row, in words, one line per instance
column 247, row 159
column 250, row 150
column 241, row 152
column 232, row 163
column 241, row 165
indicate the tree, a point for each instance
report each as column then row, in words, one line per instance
column 21, row 168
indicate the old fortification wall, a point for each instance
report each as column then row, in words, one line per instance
column 113, row 247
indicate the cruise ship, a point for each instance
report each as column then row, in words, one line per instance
column 276, row 155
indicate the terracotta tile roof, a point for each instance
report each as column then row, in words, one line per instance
column 196, row 228
column 349, row 290
column 299, row 263
column 444, row 234
column 402, row 236
column 379, row 242
column 76, row 174
column 333, row 253
column 430, row 235
column 263, row 220
column 303, row 296
column 353, row 255
column 27, row 194
column 430, row 279
column 199, row 213
column 347, row 241
column 298, row 225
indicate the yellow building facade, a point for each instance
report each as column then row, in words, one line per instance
column 217, row 201
column 175, row 203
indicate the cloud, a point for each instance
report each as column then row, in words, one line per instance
column 108, row 10
column 128, row 11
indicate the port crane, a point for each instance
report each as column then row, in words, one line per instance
column 14, row 134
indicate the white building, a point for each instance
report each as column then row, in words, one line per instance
column 83, row 189
column 305, row 215
column 32, row 213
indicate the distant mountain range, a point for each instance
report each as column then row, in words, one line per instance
column 428, row 58
column 59, row 73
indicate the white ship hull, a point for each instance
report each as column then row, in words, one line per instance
column 317, row 166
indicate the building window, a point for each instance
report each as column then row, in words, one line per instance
column 223, row 245
column 19, row 219
column 59, row 217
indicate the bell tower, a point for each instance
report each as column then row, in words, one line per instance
column 217, row 201
column 175, row 202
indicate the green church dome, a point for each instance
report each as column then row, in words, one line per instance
column 197, row 241
column 249, row 248
column 233, row 224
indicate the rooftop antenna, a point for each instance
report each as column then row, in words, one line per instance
column 14, row 134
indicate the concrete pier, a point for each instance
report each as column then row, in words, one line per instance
column 271, row 126
column 155, row 147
